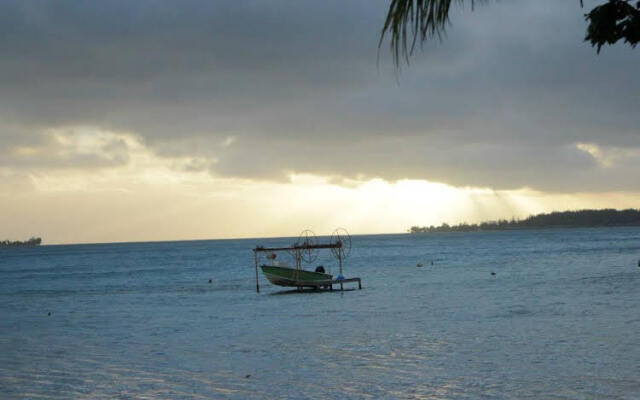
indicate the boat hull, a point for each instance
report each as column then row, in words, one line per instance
column 283, row 276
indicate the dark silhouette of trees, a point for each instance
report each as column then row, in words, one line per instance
column 34, row 241
column 613, row 21
column 564, row 219
column 412, row 21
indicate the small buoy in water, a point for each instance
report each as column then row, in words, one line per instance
column 419, row 265
column 431, row 262
column 210, row 281
column 248, row 376
column 638, row 263
column 493, row 273
column 49, row 313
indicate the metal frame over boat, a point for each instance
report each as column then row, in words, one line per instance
column 305, row 249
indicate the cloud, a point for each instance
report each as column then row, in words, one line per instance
column 85, row 148
column 260, row 90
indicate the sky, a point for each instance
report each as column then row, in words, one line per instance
column 162, row 120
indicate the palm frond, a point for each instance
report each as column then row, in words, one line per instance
column 411, row 20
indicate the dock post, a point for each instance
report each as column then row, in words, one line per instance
column 255, row 256
column 340, row 263
column 359, row 284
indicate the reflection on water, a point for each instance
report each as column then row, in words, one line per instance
column 134, row 321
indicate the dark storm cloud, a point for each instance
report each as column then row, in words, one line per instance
column 264, row 88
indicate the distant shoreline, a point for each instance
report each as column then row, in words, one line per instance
column 558, row 219
column 34, row 241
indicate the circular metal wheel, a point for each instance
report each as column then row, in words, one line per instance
column 307, row 238
column 341, row 236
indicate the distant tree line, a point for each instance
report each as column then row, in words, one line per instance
column 563, row 219
column 34, row 241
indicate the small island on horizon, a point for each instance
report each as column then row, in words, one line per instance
column 34, row 241
column 557, row 219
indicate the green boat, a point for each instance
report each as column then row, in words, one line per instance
column 304, row 251
column 287, row 276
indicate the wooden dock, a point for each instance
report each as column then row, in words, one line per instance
column 329, row 283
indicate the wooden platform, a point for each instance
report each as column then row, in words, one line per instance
column 329, row 283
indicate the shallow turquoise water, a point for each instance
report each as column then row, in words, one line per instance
column 560, row 319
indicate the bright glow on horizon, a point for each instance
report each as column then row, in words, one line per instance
column 134, row 195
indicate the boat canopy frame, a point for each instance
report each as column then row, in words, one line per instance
column 299, row 249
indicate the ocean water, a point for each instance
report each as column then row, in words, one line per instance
column 560, row 319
